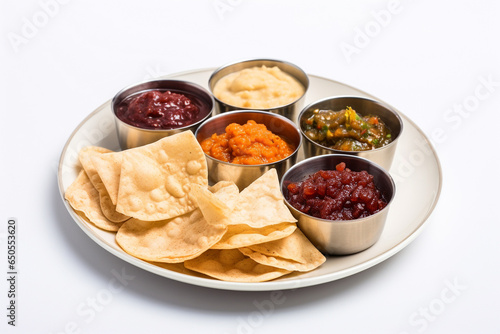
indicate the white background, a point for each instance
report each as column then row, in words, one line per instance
column 430, row 59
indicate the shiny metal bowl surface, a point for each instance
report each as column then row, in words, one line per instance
column 348, row 236
column 130, row 136
column 363, row 106
column 243, row 175
column 290, row 110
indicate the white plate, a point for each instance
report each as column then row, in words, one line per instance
column 416, row 170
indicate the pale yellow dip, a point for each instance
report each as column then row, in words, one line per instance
column 258, row 87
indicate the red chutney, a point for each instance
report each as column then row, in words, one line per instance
column 339, row 194
column 157, row 109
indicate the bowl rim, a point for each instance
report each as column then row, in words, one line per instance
column 200, row 89
column 336, row 151
column 348, row 156
column 280, row 117
column 248, row 60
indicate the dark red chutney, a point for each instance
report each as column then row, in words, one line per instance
column 157, row 109
column 339, row 194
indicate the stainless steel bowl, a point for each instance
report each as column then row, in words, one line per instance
column 130, row 136
column 341, row 237
column 363, row 106
column 243, row 175
column 290, row 110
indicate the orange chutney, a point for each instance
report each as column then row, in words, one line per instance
column 248, row 144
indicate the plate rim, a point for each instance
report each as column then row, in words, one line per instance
column 259, row 286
